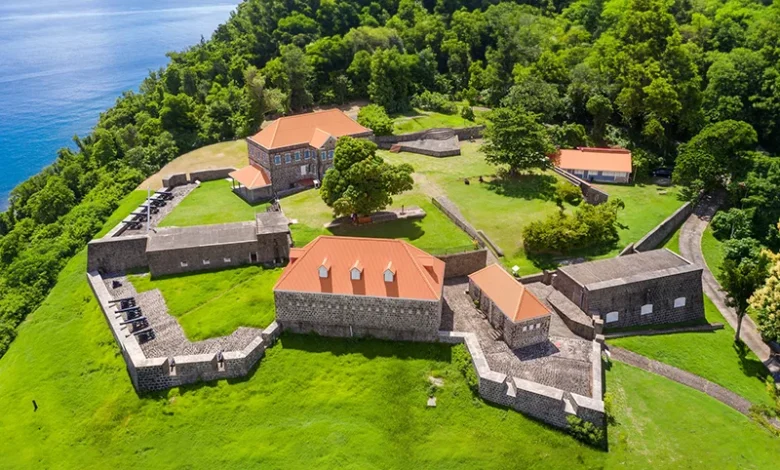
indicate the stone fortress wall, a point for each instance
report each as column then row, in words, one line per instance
column 661, row 232
column 462, row 133
column 155, row 373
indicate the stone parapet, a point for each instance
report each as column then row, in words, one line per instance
column 590, row 193
column 664, row 230
column 177, row 179
column 210, row 175
column 463, row 264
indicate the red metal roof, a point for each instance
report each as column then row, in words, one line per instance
column 417, row 275
column 594, row 159
column 517, row 302
column 310, row 128
column 251, row 177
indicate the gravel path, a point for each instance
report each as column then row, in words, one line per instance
column 694, row 381
column 690, row 248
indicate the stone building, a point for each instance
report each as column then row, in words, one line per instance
column 292, row 152
column 604, row 165
column 510, row 307
column 345, row 286
column 646, row 288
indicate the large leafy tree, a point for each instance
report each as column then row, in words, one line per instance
column 516, row 138
column 765, row 302
column 744, row 269
column 361, row 182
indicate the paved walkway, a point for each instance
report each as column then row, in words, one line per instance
column 690, row 248
column 694, row 381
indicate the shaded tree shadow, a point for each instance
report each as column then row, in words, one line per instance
column 406, row 228
column 368, row 347
column 530, row 186
column 752, row 367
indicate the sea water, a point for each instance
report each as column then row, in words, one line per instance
column 63, row 62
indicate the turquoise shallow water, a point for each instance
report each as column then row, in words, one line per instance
column 62, row 62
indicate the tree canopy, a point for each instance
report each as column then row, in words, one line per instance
column 516, row 138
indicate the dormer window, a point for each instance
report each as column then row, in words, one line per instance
column 389, row 273
column 324, row 269
column 356, row 271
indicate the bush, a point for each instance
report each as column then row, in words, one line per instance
column 733, row 223
column 462, row 360
column 589, row 227
column 375, row 118
column 569, row 193
column 467, row 113
column 585, row 431
column 432, row 101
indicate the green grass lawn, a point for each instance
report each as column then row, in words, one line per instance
column 502, row 208
column 434, row 233
column 213, row 202
column 215, row 303
column 712, row 249
column 711, row 355
column 324, row 403
column 421, row 120
column 673, row 243
column 647, row 205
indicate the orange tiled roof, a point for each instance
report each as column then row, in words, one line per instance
column 314, row 128
column 517, row 302
column 251, row 177
column 417, row 275
column 595, row 159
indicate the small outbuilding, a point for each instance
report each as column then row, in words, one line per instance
column 510, row 307
column 606, row 165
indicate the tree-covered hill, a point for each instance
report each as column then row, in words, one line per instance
column 647, row 74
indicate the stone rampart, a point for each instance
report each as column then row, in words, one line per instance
column 451, row 210
column 487, row 241
column 210, row 175
column 463, row 264
column 117, row 254
column 590, row 193
column 150, row 374
column 665, row 229
column 462, row 133
column 177, row 179
column 547, row 404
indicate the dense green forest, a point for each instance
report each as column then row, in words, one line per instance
column 697, row 80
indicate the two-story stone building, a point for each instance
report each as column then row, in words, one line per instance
column 293, row 151
column 345, row 286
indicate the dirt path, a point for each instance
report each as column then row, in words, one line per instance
column 690, row 247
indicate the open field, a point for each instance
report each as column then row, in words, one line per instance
column 223, row 155
column 324, row 403
column 421, row 120
column 712, row 249
column 711, row 355
column 213, row 202
column 215, row 303
column 503, row 207
column 434, row 233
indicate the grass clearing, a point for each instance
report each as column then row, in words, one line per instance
column 232, row 154
column 434, row 233
column 712, row 249
column 323, row 403
column 422, row 120
column 711, row 355
column 213, row 202
column 214, row 303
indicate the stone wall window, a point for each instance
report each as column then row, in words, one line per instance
column 298, row 156
column 612, row 317
column 277, row 159
column 226, row 259
column 647, row 309
column 287, row 158
column 330, row 155
column 679, row 302
column 184, row 264
column 206, row 262
column 305, row 154
column 323, row 155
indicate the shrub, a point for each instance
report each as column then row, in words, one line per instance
column 589, row 227
column 585, row 431
column 375, row 118
column 733, row 223
column 569, row 193
column 433, row 101
column 462, row 360
column 467, row 113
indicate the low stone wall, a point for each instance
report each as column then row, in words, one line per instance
column 665, row 229
column 451, row 210
column 178, row 179
column 150, row 374
column 462, row 133
column 117, row 254
column 487, row 241
column 590, row 193
column 209, row 175
column 547, row 404
column 463, row 264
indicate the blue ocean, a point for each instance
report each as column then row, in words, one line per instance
column 62, row 62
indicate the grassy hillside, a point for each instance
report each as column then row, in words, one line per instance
column 323, row 403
